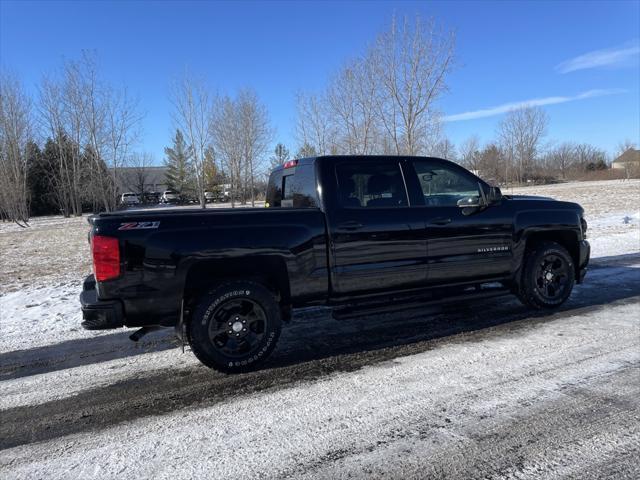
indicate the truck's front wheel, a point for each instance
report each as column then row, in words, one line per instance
column 548, row 276
column 235, row 326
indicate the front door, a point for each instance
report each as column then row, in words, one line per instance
column 462, row 244
column 378, row 240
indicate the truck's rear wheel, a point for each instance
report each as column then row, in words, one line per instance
column 235, row 326
column 548, row 276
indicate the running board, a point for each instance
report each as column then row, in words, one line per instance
column 354, row 311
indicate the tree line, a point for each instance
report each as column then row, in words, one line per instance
column 87, row 128
column 62, row 150
column 384, row 101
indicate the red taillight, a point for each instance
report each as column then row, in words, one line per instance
column 106, row 257
column 290, row 163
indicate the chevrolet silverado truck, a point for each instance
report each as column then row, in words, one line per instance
column 360, row 234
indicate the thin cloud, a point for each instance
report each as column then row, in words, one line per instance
column 534, row 102
column 607, row 57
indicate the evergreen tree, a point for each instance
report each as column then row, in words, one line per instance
column 41, row 198
column 281, row 155
column 306, row 150
column 210, row 170
column 178, row 163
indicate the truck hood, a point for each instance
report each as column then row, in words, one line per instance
column 525, row 202
column 530, row 197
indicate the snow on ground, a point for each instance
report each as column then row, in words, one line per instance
column 32, row 317
column 453, row 410
column 612, row 211
column 402, row 406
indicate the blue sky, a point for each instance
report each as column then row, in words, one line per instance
column 578, row 59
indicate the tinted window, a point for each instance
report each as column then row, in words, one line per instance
column 274, row 189
column 443, row 185
column 369, row 184
column 293, row 188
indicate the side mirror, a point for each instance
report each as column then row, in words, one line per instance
column 475, row 201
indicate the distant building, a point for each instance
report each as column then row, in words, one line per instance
column 142, row 179
column 629, row 160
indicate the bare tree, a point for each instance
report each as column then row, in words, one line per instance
column 411, row 61
column 88, row 100
column 241, row 134
column 490, row 163
column 623, row 146
column 121, row 132
column 444, row 149
column 470, row 153
column 562, row 158
column 140, row 164
column 227, row 142
column 109, row 122
column 315, row 124
column 256, row 135
column 521, row 133
column 15, row 132
column 60, row 116
column 351, row 100
column 193, row 114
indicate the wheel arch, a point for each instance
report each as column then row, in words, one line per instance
column 270, row 271
column 566, row 238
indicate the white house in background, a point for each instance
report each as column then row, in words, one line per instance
column 629, row 160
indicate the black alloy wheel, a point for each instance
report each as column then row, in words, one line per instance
column 552, row 277
column 548, row 276
column 235, row 326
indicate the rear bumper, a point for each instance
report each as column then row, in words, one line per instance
column 99, row 314
column 585, row 254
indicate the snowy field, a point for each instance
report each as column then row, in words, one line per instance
column 489, row 390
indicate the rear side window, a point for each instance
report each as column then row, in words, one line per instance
column 293, row 188
column 370, row 184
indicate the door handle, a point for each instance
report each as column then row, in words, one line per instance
column 440, row 221
column 352, row 225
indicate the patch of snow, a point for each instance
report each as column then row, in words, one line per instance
column 37, row 316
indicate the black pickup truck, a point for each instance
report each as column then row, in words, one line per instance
column 361, row 234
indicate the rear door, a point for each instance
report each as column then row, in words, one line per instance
column 462, row 244
column 377, row 239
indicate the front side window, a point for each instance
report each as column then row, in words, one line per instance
column 369, row 184
column 444, row 186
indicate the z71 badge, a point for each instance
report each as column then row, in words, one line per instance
column 138, row 225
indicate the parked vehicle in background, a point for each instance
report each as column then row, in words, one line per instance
column 129, row 199
column 356, row 233
column 210, row 197
column 170, row 196
column 151, row 197
column 223, row 193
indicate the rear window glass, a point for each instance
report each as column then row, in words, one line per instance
column 293, row 188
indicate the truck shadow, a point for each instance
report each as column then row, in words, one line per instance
column 79, row 352
column 305, row 353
